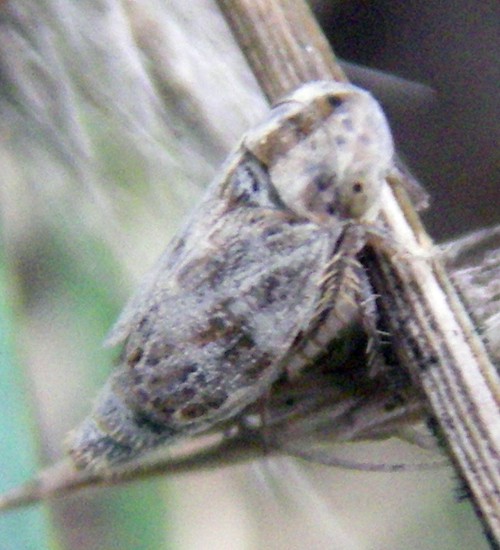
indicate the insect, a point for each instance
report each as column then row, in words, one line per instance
column 261, row 278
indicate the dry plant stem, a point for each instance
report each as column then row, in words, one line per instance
column 285, row 48
column 436, row 339
column 282, row 42
column 62, row 479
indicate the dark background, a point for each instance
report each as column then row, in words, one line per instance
column 454, row 47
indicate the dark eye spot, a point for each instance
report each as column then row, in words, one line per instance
column 357, row 187
column 334, row 101
column 330, row 209
column 200, row 378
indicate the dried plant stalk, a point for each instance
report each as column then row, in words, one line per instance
column 283, row 44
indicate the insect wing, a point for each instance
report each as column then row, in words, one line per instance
column 208, row 332
column 199, row 222
column 214, row 332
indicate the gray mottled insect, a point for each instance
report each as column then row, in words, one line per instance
column 262, row 277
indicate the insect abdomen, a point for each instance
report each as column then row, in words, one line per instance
column 113, row 434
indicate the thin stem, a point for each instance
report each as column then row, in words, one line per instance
column 282, row 42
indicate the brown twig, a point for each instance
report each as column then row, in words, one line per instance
column 436, row 340
column 63, row 479
column 282, row 42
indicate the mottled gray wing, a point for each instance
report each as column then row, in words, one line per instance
column 210, row 328
column 210, row 336
column 212, row 332
column 199, row 223
column 244, row 183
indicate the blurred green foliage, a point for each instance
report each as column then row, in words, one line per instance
column 130, row 517
column 25, row 529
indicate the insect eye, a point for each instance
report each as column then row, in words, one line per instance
column 334, row 101
column 357, row 187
